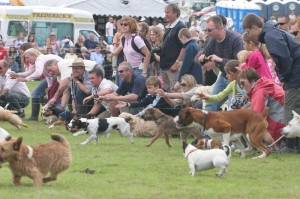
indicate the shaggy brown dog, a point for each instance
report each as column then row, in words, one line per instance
column 36, row 161
column 167, row 126
column 140, row 127
column 11, row 117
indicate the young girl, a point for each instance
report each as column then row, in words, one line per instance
column 257, row 59
column 239, row 98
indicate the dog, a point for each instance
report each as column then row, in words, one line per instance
column 200, row 160
column 292, row 130
column 167, row 126
column 140, row 127
column 208, row 144
column 234, row 122
column 37, row 161
column 11, row 117
column 48, row 119
column 63, row 116
column 4, row 135
column 99, row 126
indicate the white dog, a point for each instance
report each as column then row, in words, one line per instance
column 200, row 160
column 3, row 136
column 98, row 126
column 292, row 130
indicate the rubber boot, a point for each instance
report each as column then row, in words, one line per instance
column 35, row 109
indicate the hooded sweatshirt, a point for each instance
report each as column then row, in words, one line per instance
column 285, row 51
column 266, row 93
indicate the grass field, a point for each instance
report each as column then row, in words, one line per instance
column 123, row 170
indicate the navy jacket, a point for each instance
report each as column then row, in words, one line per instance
column 285, row 51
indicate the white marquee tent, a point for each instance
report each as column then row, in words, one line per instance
column 138, row 8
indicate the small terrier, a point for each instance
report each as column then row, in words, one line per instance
column 200, row 160
column 37, row 161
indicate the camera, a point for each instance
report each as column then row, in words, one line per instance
column 205, row 60
column 160, row 50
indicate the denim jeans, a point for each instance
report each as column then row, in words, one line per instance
column 17, row 101
column 218, row 87
column 39, row 90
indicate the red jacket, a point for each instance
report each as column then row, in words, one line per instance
column 266, row 93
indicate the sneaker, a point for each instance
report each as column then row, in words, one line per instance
column 21, row 114
column 285, row 150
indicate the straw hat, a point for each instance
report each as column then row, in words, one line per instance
column 78, row 62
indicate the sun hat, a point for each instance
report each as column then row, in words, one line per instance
column 78, row 62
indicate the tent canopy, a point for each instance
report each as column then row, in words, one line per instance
column 136, row 8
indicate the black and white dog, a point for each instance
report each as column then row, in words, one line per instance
column 98, row 126
column 200, row 160
column 63, row 116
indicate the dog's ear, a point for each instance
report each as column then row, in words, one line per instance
column 8, row 138
column 17, row 144
column 52, row 105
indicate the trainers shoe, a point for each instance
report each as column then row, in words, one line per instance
column 285, row 150
column 21, row 114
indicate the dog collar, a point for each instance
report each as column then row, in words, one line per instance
column 30, row 152
column 191, row 152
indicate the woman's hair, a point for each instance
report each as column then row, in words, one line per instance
column 33, row 39
column 185, row 32
column 25, row 46
column 153, row 81
column 79, row 37
column 230, row 67
column 32, row 51
column 250, row 74
column 131, row 22
column 242, row 55
column 145, row 28
column 83, row 48
column 262, row 48
column 189, row 80
column 159, row 36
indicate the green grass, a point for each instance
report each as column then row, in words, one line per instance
column 127, row 171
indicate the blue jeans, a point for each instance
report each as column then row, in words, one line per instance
column 39, row 91
column 218, row 87
column 109, row 39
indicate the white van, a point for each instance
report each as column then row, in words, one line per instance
column 42, row 20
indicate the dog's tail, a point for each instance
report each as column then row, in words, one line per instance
column 61, row 139
column 128, row 119
column 227, row 150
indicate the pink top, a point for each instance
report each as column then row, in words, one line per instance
column 133, row 57
column 256, row 60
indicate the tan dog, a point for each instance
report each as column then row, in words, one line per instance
column 140, row 127
column 234, row 122
column 167, row 126
column 11, row 117
column 208, row 144
column 36, row 161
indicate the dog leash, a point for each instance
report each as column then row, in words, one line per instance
column 276, row 141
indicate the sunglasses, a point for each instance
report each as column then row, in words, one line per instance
column 121, row 71
column 281, row 24
column 209, row 30
column 123, row 24
column 183, row 84
column 243, row 82
column 295, row 33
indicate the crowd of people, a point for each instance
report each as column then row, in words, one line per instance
column 162, row 66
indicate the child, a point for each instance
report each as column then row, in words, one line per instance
column 152, row 100
column 71, row 54
column 13, row 65
column 239, row 98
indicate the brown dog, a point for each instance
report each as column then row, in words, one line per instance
column 208, row 144
column 167, row 126
column 36, row 161
column 239, row 121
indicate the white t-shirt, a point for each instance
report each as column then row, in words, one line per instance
column 110, row 27
column 105, row 84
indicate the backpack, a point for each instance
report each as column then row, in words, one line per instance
column 152, row 58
